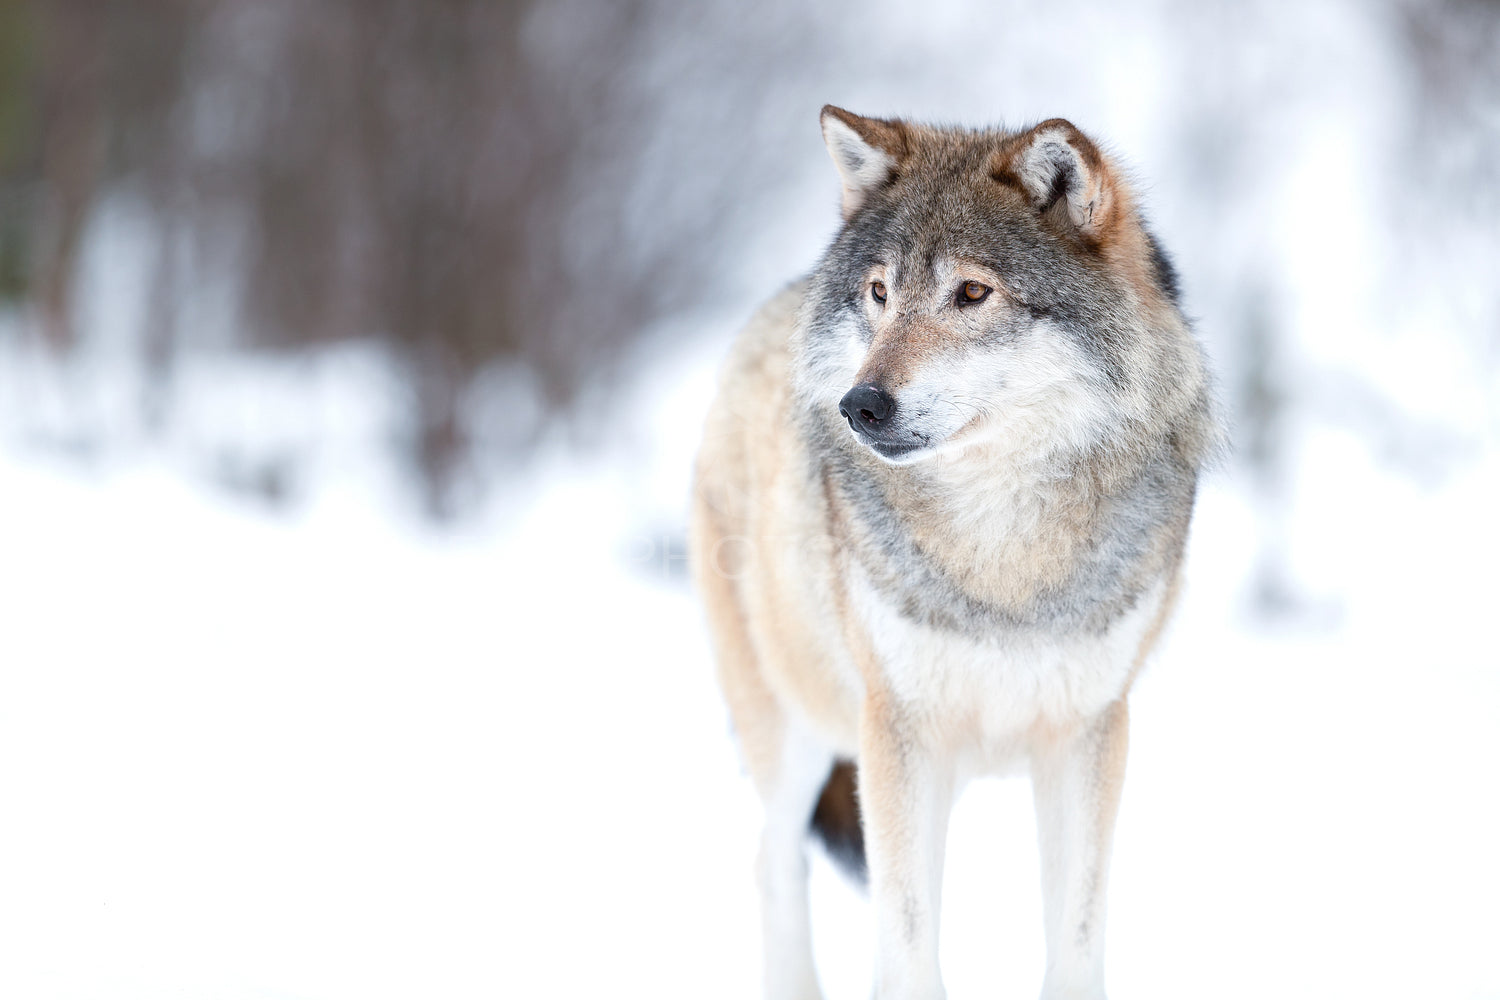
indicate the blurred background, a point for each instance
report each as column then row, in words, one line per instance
column 352, row 360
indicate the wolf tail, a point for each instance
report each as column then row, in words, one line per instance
column 836, row 821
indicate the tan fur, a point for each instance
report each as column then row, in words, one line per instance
column 745, row 503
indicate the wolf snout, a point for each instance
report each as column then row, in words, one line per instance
column 867, row 407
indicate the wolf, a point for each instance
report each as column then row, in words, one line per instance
column 938, row 521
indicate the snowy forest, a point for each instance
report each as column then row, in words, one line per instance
column 353, row 355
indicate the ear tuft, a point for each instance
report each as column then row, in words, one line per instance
column 1062, row 172
column 866, row 151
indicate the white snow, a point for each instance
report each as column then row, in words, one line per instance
column 329, row 756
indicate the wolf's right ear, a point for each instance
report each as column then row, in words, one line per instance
column 866, row 151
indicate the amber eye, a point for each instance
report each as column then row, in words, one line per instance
column 972, row 292
column 877, row 291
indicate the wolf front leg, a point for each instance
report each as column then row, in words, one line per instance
column 789, row 799
column 1076, row 779
column 906, row 794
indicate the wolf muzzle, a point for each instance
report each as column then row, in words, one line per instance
column 871, row 412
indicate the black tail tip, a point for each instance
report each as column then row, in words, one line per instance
column 836, row 821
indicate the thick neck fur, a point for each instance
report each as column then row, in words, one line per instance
column 1010, row 533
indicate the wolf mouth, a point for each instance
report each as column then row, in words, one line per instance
column 891, row 451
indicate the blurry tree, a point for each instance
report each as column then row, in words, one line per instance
column 1450, row 187
column 419, row 174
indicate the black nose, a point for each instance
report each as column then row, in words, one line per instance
column 866, row 407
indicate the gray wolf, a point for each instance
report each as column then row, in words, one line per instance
column 938, row 523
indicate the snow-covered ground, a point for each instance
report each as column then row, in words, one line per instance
column 324, row 755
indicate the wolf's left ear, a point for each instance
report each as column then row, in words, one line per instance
column 866, row 151
column 1063, row 173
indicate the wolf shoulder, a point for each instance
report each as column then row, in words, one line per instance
column 749, row 432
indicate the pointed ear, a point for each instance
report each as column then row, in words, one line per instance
column 1063, row 174
column 866, row 151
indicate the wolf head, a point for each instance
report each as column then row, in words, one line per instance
column 989, row 288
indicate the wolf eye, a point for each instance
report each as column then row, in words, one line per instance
column 877, row 291
column 972, row 292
